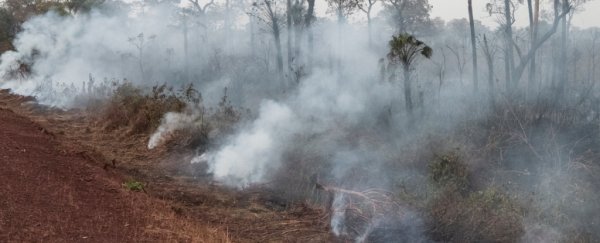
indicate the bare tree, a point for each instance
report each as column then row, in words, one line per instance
column 202, row 8
column 267, row 13
column 595, row 38
column 289, row 34
column 366, row 6
column 408, row 14
column 473, row 46
column 490, row 53
column 342, row 8
column 509, row 56
column 564, row 70
column 308, row 20
column 534, row 15
column 461, row 62
column 140, row 42
column 524, row 62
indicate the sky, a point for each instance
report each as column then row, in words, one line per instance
column 453, row 9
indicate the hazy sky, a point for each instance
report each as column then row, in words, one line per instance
column 452, row 9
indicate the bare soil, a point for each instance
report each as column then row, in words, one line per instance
column 62, row 181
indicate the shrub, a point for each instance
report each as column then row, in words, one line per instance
column 134, row 185
column 140, row 112
column 448, row 172
column 484, row 216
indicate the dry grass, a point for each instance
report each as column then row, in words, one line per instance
column 131, row 107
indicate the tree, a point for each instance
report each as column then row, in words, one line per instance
column 508, row 52
column 140, row 42
column 524, row 61
column 83, row 6
column 405, row 50
column 267, row 13
column 342, row 8
column 506, row 9
column 563, row 69
column 473, row 46
column 298, row 23
column 367, row 7
column 308, row 20
column 202, row 8
column 289, row 34
column 407, row 15
column 490, row 53
column 534, row 15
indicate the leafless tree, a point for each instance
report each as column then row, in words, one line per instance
column 366, row 6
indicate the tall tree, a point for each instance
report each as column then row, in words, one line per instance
column 509, row 53
column 267, row 13
column 534, row 13
column 342, row 8
column 525, row 59
column 308, row 20
column 405, row 50
column 473, row 46
column 407, row 15
column 289, row 34
column 564, row 70
column 489, row 56
column 367, row 7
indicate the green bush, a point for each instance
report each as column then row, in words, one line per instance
column 134, row 185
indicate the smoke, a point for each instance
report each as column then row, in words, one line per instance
column 62, row 53
column 172, row 122
column 250, row 155
column 340, row 121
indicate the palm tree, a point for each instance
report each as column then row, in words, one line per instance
column 405, row 49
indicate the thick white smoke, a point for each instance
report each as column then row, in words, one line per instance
column 249, row 156
column 62, row 52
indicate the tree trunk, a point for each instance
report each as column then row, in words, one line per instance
column 298, row 33
column 593, row 79
column 509, row 56
column 308, row 21
column 279, row 52
column 518, row 71
column 186, row 61
column 289, row 35
column 564, row 76
column 370, row 27
column 473, row 47
column 228, row 24
column 407, row 90
column 490, row 64
column 532, row 30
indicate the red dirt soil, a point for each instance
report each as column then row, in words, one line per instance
column 50, row 193
column 57, row 184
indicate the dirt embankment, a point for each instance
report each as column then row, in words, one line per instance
column 58, row 183
column 51, row 192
